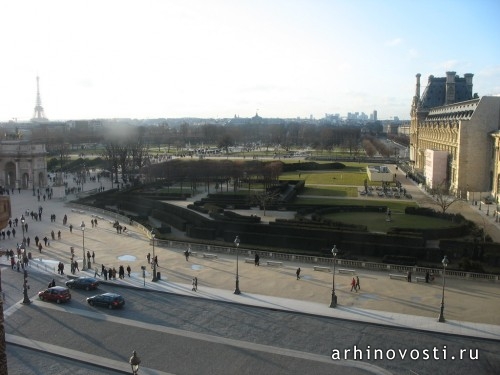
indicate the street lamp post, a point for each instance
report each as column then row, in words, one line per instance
column 441, row 314
column 154, row 257
column 23, row 220
column 237, row 243
column 134, row 361
column 82, row 227
column 480, row 198
column 334, row 297
column 26, row 299
column 3, row 354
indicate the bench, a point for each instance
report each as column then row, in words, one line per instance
column 344, row 270
column 249, row 260
column 210, row 256
column 420, row 279
column 323, row 269
column 274, row 264
column 400, row 277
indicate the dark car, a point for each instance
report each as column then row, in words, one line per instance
column 87, row 283
column 56, row 293
column 109, row 300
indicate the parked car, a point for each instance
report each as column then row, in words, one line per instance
column 87, row 283
column 109, row 300
column 55, row 294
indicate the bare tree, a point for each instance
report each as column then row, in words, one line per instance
column 265, row 198
column 441, row 193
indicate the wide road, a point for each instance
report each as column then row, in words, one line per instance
column 183, row 335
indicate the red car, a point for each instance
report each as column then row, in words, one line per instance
column 56, row 293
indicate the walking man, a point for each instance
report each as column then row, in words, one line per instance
column 298, row 273
column 358, row 287
column 353, row 285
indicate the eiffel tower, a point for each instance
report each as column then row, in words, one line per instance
column 38, row 114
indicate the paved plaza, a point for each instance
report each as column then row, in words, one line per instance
column 469, row 305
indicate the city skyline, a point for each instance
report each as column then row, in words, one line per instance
column 220, row 59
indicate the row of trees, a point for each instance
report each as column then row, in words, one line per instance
column 283, row 134
column 221, row 172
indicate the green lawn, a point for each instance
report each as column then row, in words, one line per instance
column 376, row 222
column 394, row 205
column 332, row 191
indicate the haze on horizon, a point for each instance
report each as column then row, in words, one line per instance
column 221, row 58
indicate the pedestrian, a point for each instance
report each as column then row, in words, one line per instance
column 121, row 272
column 353, row 285
column 358, row 287
column 96, row 273
column 59, row 235
column 28, row 240
column 105, row 273
column 13, row 232
column 427, row 276
column 257, row 260
column 93, row 257
column 195, row 284
column 52, row 283
column 36, row 240
column 40, row 247
column 71, row 228
column 186, row 254
column 52, row 235
column 76, row 266
column 408, row 276
column 156, row 260
column 129, row 270
column 45, row 239
column 298, row 273
column 149, row 258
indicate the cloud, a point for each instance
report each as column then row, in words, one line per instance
column 413, row 53
column 448, row 65
column 394, row 42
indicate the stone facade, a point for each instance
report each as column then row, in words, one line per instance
column 22, row 165
column 448, row 117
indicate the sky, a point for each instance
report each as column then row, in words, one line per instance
column 224, row 58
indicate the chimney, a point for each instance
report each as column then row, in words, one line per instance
column 468, row 84
column 417, row 88
column 450, row 88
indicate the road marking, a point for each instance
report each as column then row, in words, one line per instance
column 215, row 339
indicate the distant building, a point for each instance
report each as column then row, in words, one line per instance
column 448, row 117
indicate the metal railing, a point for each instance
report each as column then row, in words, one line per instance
column 231, row 250
column 355, row 264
